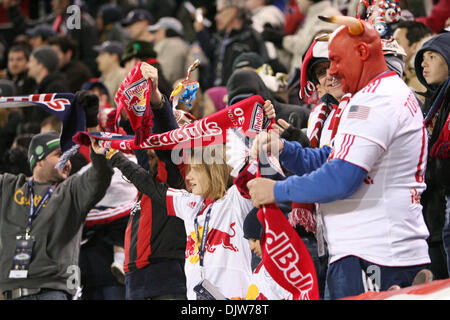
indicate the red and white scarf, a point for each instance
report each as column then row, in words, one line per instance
column 247, row 114
column 133, row 95
column 284, row 255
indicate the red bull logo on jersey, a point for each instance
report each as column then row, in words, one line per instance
column 216, row 239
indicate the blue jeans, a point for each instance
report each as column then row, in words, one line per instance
column 170, row 296
column 446, row 232
column 351, row 276
column 48, row 295
column 116, row 292
column 320, row 263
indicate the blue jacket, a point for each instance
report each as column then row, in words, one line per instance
column 316, row 180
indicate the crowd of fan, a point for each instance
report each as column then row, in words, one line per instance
column 45, row 51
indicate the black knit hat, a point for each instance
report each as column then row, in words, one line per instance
column 252, row 226
column 248, row 59
column 41, row 146
column 47, row 56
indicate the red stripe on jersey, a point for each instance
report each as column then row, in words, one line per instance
column 170, row 206
column 338, row 154
column 143, row 248
column 127, row 245
column 352, row 140
column 345, row 148
column 419, row 172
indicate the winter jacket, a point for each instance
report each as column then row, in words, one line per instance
column 437, row 176
column 222, row 49
column 244, row 83
column 56, row 229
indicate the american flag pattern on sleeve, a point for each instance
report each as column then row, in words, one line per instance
column 358, row 112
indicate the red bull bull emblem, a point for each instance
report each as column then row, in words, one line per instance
column 136, row 94
column 215, row 238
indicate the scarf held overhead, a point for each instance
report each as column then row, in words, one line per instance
column 133, row 95
column 62, row 105
column 247, row 114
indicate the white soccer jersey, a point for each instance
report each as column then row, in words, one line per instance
column 381, row 131
column 118, row 200
column 263, row 287
column 227, row 259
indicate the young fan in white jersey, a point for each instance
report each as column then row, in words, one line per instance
column 216, row 210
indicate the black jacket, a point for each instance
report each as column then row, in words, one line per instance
column 244, row 83
column 155, row 243
column 77, row 73
column 223, row 50
column 24, row 84
column 437, row 176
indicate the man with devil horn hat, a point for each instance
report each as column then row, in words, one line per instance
column 370, row 179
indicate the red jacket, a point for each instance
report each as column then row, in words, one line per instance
column 439, row 14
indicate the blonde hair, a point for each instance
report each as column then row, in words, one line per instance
column 218, row 171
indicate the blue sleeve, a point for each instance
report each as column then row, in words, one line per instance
column 301, row 160
column 335, row 180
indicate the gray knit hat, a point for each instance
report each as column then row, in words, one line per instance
column 41, row 146
column 47, row 56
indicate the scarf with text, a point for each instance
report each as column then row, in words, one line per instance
column 247, row 114
column 62, row 105
column 284, row 255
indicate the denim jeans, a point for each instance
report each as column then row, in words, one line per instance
column 446, row 232
column 170, row 296
column 116, row 292
column 352, row 276
column 320, row 263
column 48, row 295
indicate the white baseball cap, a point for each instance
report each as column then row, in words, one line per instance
column 167, row 23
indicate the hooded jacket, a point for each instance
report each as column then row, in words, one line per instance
column 245, row 83
column 437, row 176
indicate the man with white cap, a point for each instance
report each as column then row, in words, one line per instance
column 171, row 48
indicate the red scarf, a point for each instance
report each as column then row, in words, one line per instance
column 247, row 114
column 134, row 95
column 284, row 255
column 304, row 213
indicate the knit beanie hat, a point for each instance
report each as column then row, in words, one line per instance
column 47, row 56
column 248, row 59
column 252, row 226
column 41, row 146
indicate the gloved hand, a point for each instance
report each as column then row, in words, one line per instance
column 89, row 102
column 292, row 133
column 274, row 35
